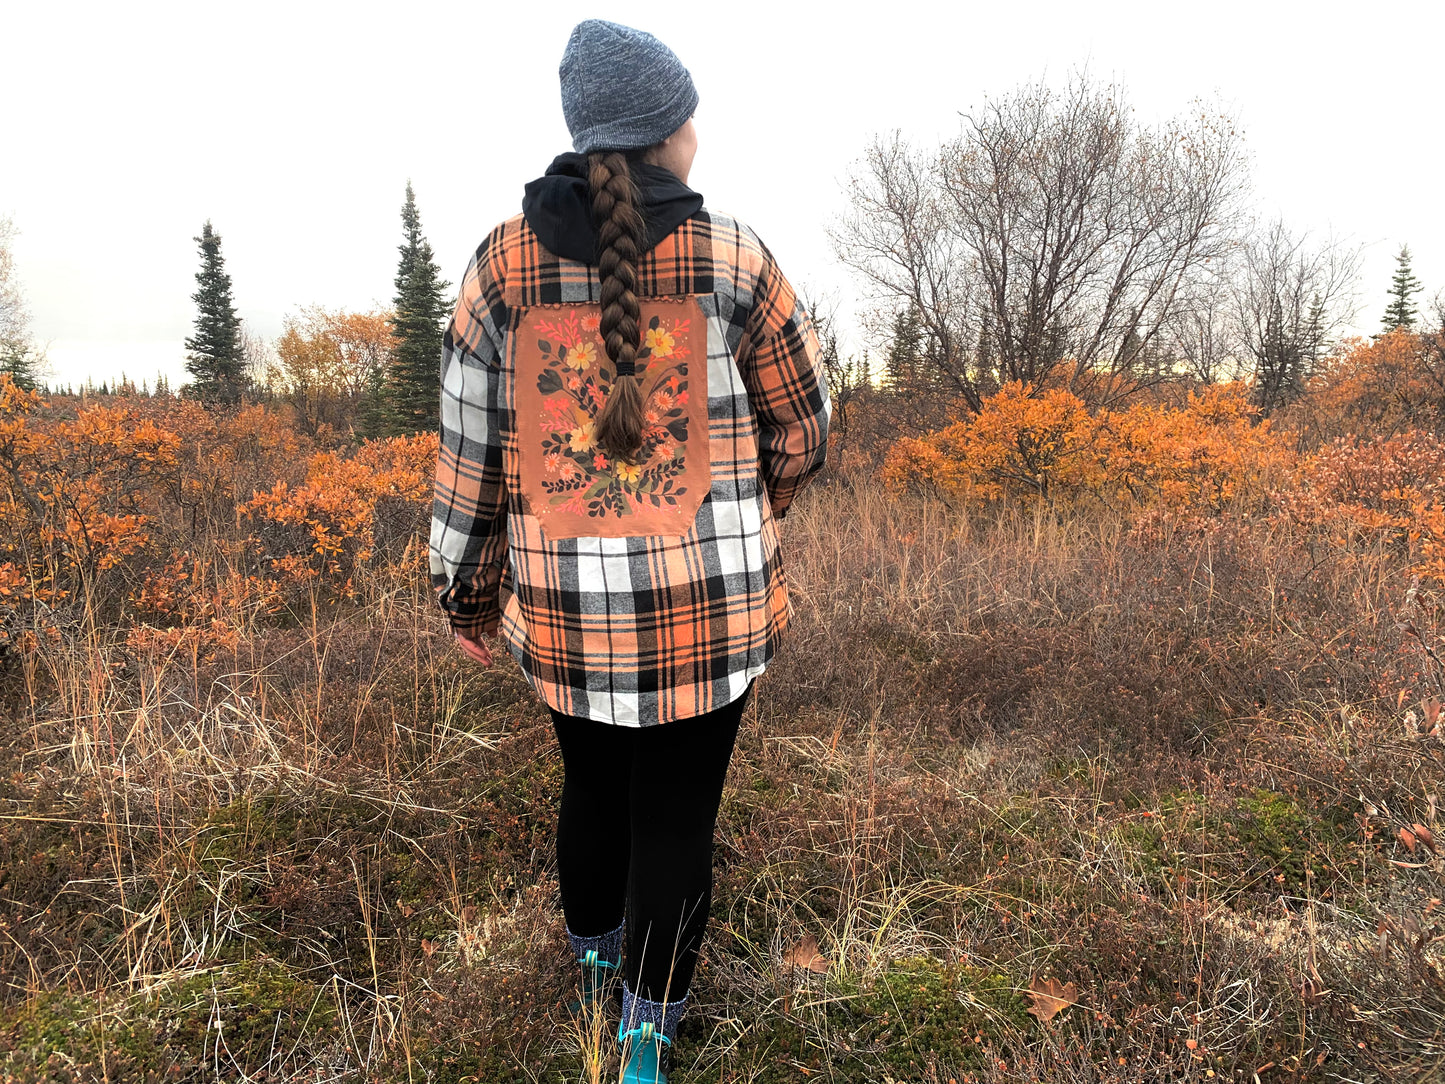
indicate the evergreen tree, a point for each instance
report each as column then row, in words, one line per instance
column 422, row 310
column 215, row 358
column 22, row 363
column 905, row 352
column 376, row 415
column 1402, row 311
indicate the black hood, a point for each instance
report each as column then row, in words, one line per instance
column 557, row 207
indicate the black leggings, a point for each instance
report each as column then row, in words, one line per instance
column 634, row 837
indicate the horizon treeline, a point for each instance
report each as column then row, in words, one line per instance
column 1055, row 239
column 371, row 374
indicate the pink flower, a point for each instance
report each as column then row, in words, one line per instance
column 599, row 462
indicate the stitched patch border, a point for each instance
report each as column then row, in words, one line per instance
column 563, row 376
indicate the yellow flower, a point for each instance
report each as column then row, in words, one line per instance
column 582, row 437
column 628, row 473
column 579, row 357
column 661, row 341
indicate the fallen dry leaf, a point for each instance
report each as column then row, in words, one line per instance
column 1425, row 836
column 805, row 954
column 1051, row 997
column 1407, row 837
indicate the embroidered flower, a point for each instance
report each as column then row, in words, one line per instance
column 663, row 401
column 552, row 461
column 651, row 416
column 579, row 357
column 589, row 323
column 582, row 437
column 573, row 381
column 660, row 341
column 558, row 413
column 599, row 462
column 628, row 473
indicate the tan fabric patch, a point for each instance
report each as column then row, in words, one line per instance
column 562, row 378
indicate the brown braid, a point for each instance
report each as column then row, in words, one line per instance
column 619, row 242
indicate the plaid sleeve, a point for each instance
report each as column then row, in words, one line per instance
column 782, row 366
column 468, row 548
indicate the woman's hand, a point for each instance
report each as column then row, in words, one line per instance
column 475, row 648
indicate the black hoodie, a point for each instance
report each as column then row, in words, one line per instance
column 559, row 210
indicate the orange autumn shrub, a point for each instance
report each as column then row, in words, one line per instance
column 1209, row 454
column 1378, row 387
column 1388, row 491
column 132, row 512
column 226, row 457
column 80, row 491
column 334, row 522
column 1022, row 443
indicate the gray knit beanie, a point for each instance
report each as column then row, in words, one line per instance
column 622, row 88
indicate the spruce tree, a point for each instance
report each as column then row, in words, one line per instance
column 215, row 357
column 1402, row 311
column 419, row 322
column 22, row 363
column 905, row 352
column 375, row 417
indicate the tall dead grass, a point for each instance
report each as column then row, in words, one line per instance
column 1167, row 764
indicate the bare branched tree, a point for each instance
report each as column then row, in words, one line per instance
column 847, row 376
column 896, row 236
column 1054, row 228
column 1203, row 336
column 1291, row 298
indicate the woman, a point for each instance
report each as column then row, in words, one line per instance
column 631, row 397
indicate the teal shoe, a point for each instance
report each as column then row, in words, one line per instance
column 595, row 978
column 644, row 1054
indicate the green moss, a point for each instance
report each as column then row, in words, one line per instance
column 1281, row 837
column 921, row 1009
column 261, row 1007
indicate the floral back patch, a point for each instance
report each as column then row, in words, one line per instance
column 563, row 376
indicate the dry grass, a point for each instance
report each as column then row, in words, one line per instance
column 1168, row 767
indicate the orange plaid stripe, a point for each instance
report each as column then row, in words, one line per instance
column 643, row 629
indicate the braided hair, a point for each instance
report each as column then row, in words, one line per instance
column 620, row 235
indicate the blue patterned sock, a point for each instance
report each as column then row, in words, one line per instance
column 608, row 945
column 664, row 1016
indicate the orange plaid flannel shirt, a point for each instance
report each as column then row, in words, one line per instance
column 624, row 626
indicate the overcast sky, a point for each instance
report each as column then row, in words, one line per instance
column 295, row 126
